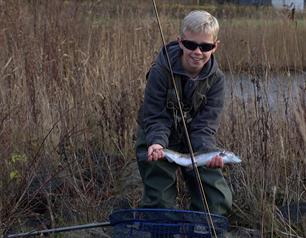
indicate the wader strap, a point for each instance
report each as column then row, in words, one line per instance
column 199, row 98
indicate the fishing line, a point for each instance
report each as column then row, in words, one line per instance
column 196, row 171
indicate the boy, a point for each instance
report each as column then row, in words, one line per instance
column 201, row 90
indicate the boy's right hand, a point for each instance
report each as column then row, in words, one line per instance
column 155, row 152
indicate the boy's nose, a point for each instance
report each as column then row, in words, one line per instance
column 197, row 50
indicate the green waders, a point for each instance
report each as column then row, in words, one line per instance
column 159, row 179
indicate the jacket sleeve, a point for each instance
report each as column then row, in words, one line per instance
column 206, row 122
column 157, row 120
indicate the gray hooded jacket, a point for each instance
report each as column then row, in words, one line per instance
column 158, row 122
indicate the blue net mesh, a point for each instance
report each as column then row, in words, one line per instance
column 164, row 223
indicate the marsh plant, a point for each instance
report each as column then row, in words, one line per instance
column 72, row 75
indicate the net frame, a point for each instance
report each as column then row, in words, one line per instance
column 164, row 223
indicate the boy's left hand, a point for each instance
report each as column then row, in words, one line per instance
column 215, row 162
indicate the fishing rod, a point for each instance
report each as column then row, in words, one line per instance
column 197, row 174
column 195, row 169
column 60, row 229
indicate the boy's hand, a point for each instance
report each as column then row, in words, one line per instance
column 215, row 162
column 155, row 152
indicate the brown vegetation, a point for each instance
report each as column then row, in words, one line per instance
column 72, row 75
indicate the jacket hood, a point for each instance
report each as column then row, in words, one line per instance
column 175, row 53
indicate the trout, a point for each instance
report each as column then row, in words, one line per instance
column 201, row 159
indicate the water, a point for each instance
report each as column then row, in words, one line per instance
column 274, row 92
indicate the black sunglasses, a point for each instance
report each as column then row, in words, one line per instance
column 204, row 47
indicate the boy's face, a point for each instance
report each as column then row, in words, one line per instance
column 193, row 57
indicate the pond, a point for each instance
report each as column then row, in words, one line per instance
column 275, row 91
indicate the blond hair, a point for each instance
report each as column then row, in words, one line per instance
column 200, row 21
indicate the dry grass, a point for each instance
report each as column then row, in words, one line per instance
column 72, row 78
column 271, row 144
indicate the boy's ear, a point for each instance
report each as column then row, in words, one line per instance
column 217, row 45
column 179, row 39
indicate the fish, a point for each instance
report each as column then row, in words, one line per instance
column 201, row 159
